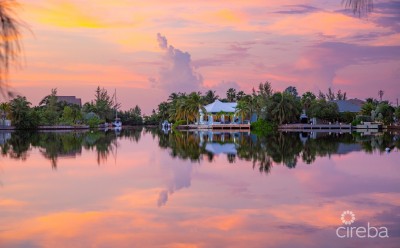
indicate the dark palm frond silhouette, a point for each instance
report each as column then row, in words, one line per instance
column 9, row 40
column 360, row 7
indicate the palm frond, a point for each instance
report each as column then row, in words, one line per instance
column 9, row 40
column 360, row 7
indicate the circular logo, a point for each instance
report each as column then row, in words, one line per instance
column 348, row 217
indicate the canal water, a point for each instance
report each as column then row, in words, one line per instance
column 149, row 188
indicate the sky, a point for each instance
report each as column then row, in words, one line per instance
column 145, row 50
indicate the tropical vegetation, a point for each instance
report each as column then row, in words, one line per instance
column 53, row 112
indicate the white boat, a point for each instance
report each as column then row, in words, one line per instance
column 117, row 122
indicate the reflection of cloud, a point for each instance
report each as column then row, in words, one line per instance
column 176, row 177
column 162, row 198
column 341, row 183
column 390, row 219
column 177, row 74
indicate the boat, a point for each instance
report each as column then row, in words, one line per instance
column 117, row 122
column 166, row 126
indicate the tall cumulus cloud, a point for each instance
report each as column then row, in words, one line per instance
column 177, row 73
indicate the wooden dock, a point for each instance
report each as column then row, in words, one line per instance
column 317, row 127
column 217, row 126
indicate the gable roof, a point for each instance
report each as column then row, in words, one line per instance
column 352, row 105
column 218, row 106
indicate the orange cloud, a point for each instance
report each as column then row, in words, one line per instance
column 75, row 74
column 228, row 16
column 11, row 203
column 64, row 14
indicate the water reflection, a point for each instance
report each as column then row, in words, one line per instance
column 263, row 152
column 55, row 145
column 278, row 148
column 195, row 189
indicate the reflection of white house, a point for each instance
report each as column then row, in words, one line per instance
column 216, row 148
column 219, row 112
column 4, row 136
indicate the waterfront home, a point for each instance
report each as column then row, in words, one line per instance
column 219, row 113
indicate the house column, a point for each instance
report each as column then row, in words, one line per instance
column 210, row 119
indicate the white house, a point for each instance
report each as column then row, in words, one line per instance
column 222, row 112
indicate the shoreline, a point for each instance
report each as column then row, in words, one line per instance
column 64, row 127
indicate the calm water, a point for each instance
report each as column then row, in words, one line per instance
column 146, row 188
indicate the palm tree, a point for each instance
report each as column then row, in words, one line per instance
column 243, row 109
column 380, row 94
column 173, row 96
column 178, row 109
column 210, row 96
column 4, row 109
column 193, row 105
column 19, row 108
column 359, row 7
column 307, row 98
column 284, row 108
column 163, row 110
column 240, row 95
column 231, row 94
column 9, row 39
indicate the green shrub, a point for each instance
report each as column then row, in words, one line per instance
column 262, row 127
column 347, row 117
column 356, row 122
column 93, row 122
column 178, row 123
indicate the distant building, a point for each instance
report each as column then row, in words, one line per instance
column 351, row 105
column 70, row 100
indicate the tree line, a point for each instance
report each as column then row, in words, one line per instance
column 272, row 106
column 51, row 111
column 269, row 106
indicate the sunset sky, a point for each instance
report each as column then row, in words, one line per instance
column 148, row 49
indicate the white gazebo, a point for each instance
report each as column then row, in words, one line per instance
column 218, row 107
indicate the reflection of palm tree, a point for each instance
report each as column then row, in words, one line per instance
column 231, row 158
column 359, row 7
column 9, row 38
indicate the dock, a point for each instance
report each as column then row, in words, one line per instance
column 217, row 126
column 315, row 127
